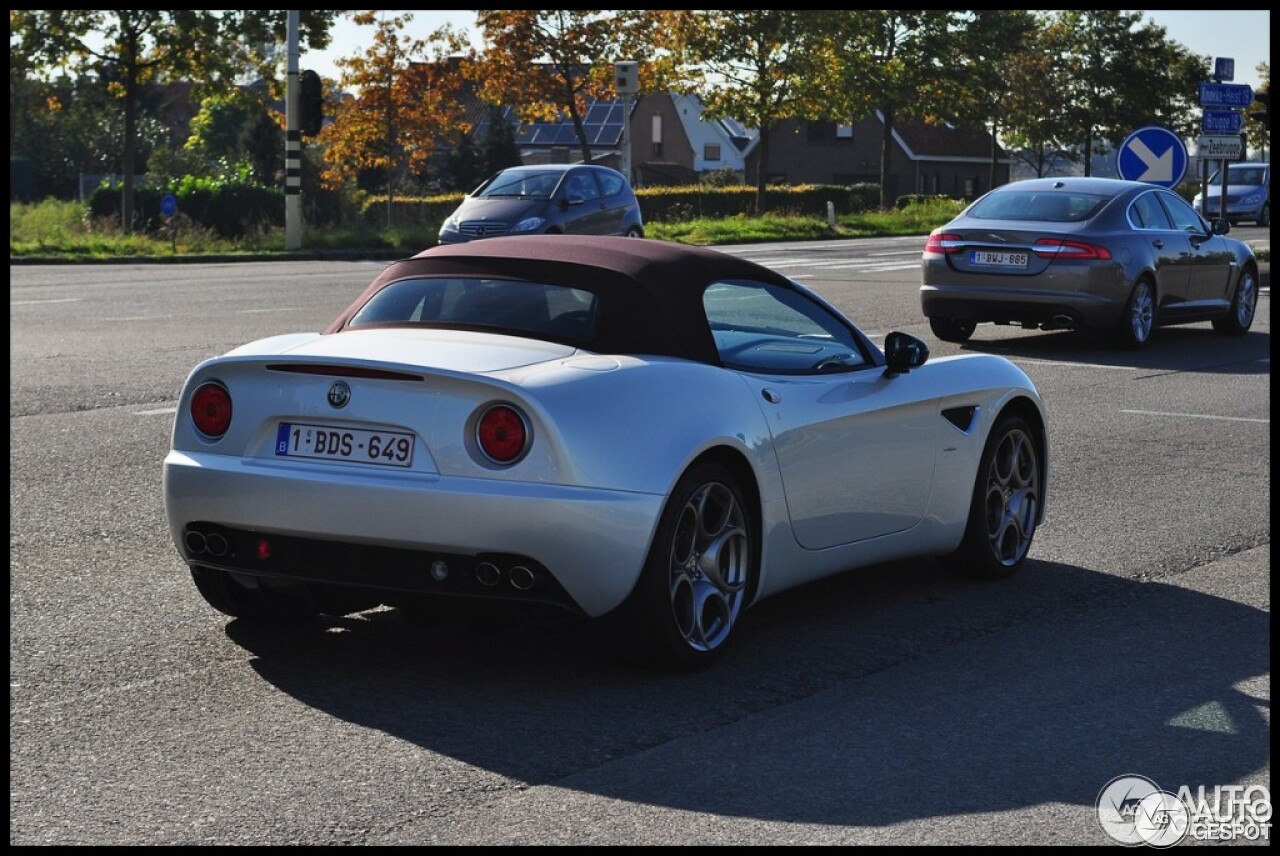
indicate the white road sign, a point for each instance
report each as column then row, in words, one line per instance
column 1220, row 147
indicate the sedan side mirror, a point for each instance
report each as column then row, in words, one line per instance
column 903, row 352
column 1221, row 225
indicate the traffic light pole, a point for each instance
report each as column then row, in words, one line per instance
column 293, row 143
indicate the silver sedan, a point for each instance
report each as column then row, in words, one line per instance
column 1121, row 257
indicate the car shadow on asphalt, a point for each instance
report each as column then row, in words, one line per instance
column 1192, row 348
column 874, row 697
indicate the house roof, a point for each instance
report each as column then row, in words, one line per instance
column 943, row 141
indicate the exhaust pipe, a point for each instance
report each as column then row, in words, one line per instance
column 522, row 579
column 487, row 574
column 216, row 544
column 195, row 542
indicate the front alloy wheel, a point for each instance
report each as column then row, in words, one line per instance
column 1244, row 304
column 1005, row 507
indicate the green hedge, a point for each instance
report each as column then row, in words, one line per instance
column 665, row 204
column 232, row 209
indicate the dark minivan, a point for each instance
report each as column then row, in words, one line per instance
column 577, row 199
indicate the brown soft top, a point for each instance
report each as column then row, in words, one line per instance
column 650, row 291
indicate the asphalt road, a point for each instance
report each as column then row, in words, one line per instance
column 889, row 705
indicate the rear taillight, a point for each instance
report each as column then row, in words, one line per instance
column 1057, row 248
column 503, row 434
column 943, row 243
column 211, row 409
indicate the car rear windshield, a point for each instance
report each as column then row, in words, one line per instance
column 1053, row 206
column 519, row 307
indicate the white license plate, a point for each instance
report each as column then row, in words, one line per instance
column 389, row 448
column 990, row 259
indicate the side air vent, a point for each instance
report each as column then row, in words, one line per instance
column 962, row 417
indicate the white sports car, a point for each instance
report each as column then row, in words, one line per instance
column 646, row 433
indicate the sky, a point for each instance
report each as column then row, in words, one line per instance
column 1242, row 35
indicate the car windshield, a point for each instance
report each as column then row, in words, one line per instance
column 1240, row 175
column 532, row 185
column 535, row 309
column 1054, row 206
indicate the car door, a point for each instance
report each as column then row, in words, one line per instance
column 1167, row 246
column 1209, row 283
column 583, row 213
column 855, row 450
column 616, row 199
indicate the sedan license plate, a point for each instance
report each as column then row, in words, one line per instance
column 986, row 258
column 389, row 448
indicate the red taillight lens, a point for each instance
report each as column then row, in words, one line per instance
column 502, row 433
column 211, row 409
column 1057, row 248
column 943, row 243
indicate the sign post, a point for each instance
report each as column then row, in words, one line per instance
column 169, row 210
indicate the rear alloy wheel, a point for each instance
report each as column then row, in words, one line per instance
column 695, row 583
column 634, row 232
column 952, row 329
column 1264, row 216
column 1003, row 513
column 1138, row 318
column 1239, row 317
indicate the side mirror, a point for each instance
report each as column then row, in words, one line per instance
column 903, row 352
column 1221, row 225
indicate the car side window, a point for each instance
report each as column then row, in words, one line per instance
column 1183, row 215
column 1148, row 213
column 582, row 184
column 610, row 184
column 761, row 327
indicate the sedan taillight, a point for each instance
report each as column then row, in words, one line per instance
column 943, row 243
column 211, row 409
column 1058, row 248
column 502, row 434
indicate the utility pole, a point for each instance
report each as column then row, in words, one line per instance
column 292, row 143
column 627, row 85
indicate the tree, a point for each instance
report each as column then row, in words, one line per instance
column 548, row 63
column 902, row 60
column 133, row 48
column 759, row 67
column 994, row 42
column 408, row 99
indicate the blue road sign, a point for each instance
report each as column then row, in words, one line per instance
column 1153, row 154
column 1224, row 69
column 1226, row 95
column 168, row 205
column 1222, row 122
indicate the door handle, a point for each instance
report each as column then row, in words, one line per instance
column 1158, row 244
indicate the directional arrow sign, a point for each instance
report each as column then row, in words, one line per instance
column 1153, row 154
column 1226, row 95
column 1221, row 122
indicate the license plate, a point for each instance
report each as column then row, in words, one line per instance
column 389, row 448
column 990, row 259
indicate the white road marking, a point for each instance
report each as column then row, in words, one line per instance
column 51, row 300
column 1077, row 365
column 165, row 411
column 1196, row 416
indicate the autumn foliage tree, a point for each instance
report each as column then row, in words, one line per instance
column 406, row 101
column 548, row 63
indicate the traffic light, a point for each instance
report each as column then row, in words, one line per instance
column 310, row 103
column 1263, row 115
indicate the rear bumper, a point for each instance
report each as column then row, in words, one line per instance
column 592, row 542
column 1015, row 306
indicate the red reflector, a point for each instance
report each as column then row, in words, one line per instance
column 502, row 434
column 263, row 549
column 1057, row 248
column 211, row 409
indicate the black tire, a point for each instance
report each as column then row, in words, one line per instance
column 1138, row 320
column 1244, row 304
column 952, row 329
column 247, row 598
column 1264, row 216
column 634, row 232
column 687, row 605
column 1007, row 498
